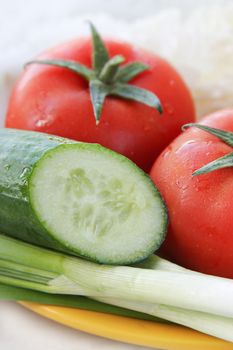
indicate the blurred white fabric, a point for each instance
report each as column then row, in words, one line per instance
column 196, row 38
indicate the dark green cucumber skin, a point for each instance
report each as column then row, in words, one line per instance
column 19, row 153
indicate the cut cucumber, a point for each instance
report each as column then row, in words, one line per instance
column 78, row 197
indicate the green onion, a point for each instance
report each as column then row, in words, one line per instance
column 196, row 291
column 73, row 301
column 218, row 326
column 155, row 287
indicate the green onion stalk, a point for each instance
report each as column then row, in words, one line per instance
column 155, row 287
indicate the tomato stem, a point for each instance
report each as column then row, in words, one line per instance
column 110, row 69
column 223, row 162
column 107, row 77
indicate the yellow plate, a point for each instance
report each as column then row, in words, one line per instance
column 129, row 330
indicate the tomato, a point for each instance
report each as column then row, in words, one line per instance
column 56, row 100
column 200, row 235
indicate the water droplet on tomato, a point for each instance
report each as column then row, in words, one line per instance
column 169, row 147
column 168, row 108
column 165, row 154
column 167, row 151
column 197, row 189
column 185, row 146
column 181, row 184
column 146, row 128
column 47, row 120
column 40, row 123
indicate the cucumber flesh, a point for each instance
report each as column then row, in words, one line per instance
column 97, row 204
column 82, row 199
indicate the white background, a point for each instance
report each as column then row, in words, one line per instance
column 20, row 328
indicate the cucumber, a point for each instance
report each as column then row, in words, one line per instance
column 78, row 198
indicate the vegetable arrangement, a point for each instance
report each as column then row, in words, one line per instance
column 72, row 214
column 104, row 92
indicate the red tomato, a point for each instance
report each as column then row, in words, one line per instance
column 57, row 101
column 200, row 236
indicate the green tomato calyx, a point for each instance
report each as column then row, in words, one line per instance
column 108, row 77
column 223, row 162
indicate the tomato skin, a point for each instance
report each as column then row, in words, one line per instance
column 57, row 101
column 200, row 235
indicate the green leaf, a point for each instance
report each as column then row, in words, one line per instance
column 220, row 163
column 100, row 54
column 130, row 71
column 134, row 93
column 225, row 136
column 73, row 66
column 110, row 69
column 15, row 293
column 107, row 77
column 98, row 92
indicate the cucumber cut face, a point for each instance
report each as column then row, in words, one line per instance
column 97, row 203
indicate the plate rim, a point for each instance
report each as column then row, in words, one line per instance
column 129, row 330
